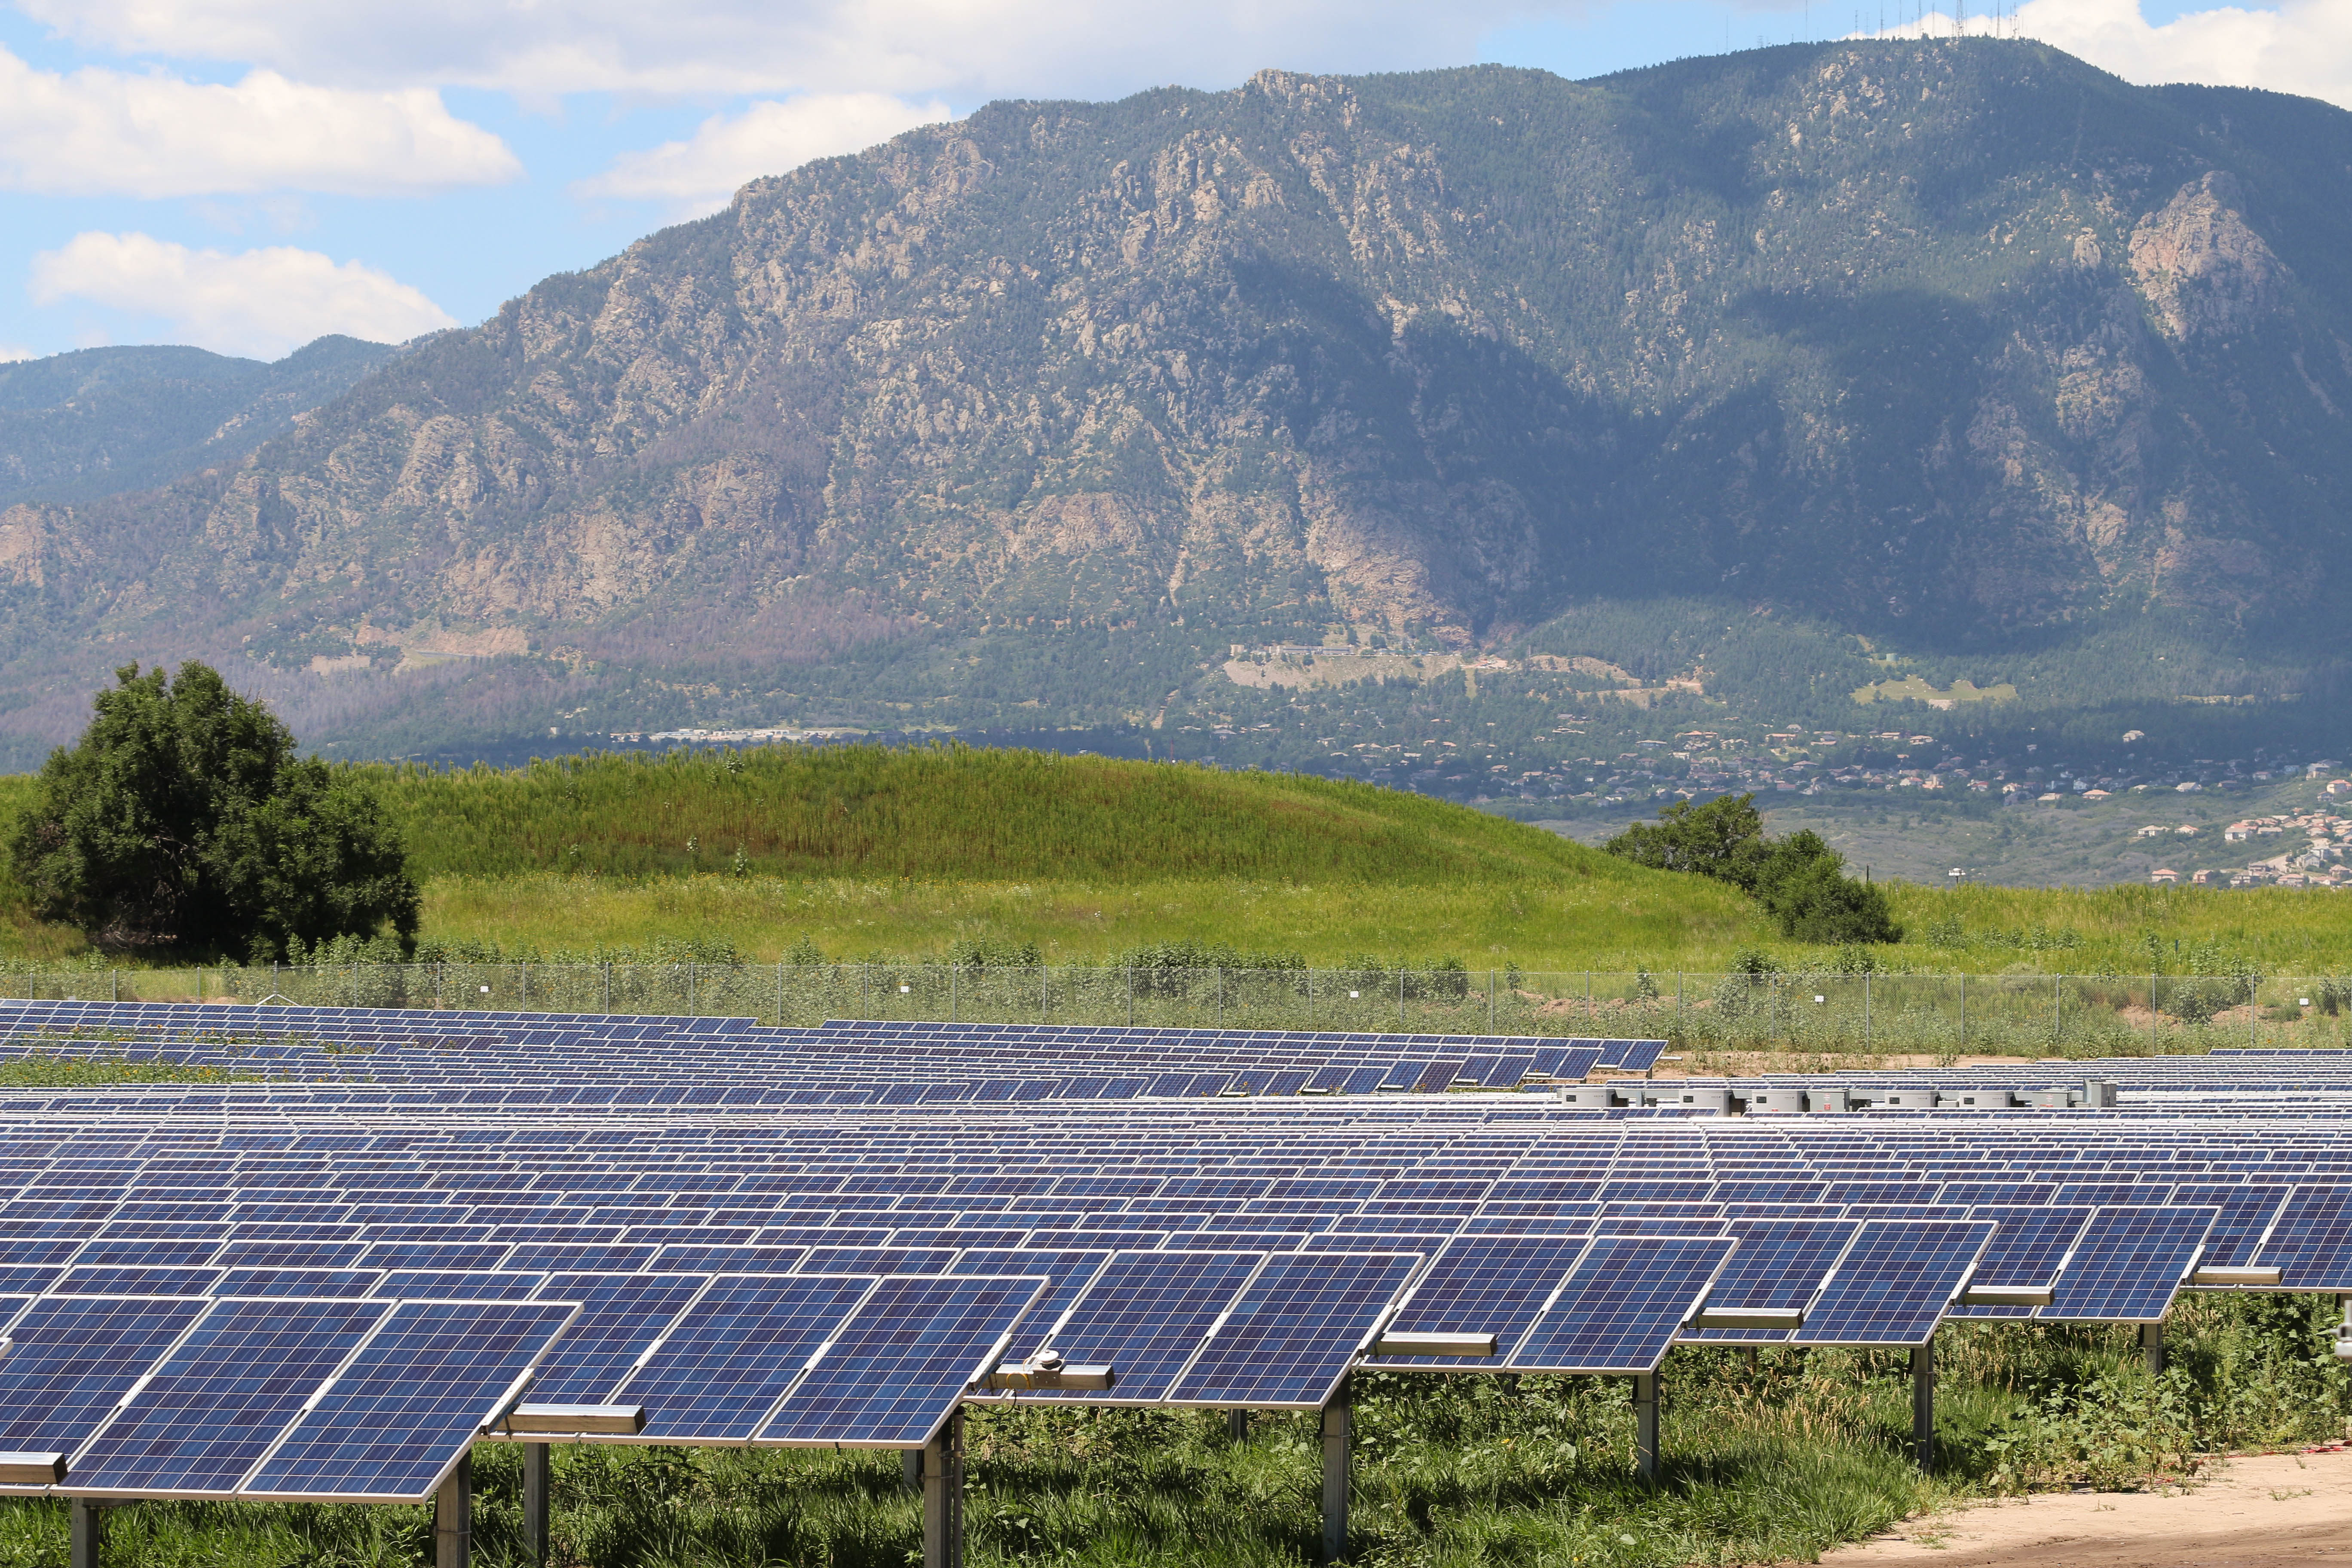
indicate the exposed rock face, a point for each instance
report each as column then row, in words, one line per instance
column 2203, row 272
column 1938, row 342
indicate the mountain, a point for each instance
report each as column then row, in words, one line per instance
column 1735, row 387
column 80, row 425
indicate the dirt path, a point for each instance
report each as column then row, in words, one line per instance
column 2273, row 1510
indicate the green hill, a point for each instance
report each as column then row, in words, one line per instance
column 955, row 812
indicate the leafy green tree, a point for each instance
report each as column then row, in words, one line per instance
column 1800, row 878
column 1804, row 886
column 1723, row 840
column 183, row 818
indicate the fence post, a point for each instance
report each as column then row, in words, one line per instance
column 1131, row 996
column 2057, row 1009
column 1221, row 996
column 608, row 986
column 1310, row 999
column 952, row 991
column 1043, row 980
column 2155, row 1045
column 1866, row 1036
column 1678, row 1006
column 1490, row 1001
column 114, row 984
column 693, row 982
column 1588, row 999
column 1399, row 1001
column 780, row 994
column 2253, row 1007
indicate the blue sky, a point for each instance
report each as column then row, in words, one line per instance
column 244, row 174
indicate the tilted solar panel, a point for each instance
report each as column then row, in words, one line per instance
column 409, row 1405
column 1895, row 1282
column 717, row 1375
column 2025, row 1254
column 1289, row 1338
column 72, row 1358
column 892, row 1373
column 1145, row 1314
column 1486, row 1284
column 620, row 1315
column 1778, row 1266
column 2128, row 1263
column 217, row 1402
column 1617, row 1310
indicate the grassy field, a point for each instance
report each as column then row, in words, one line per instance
column 857, row 853
column 1772, row 1463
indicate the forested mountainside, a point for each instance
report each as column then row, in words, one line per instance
column 88, row 424
column 1960, row 354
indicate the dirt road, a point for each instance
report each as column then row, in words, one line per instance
column 2282, row 1510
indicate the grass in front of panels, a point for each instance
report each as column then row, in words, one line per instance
column 1779, row 1461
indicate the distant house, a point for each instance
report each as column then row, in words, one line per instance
column 2098, row 794
column 2204, row 878
column 2187, row 830
column 2164, row 873
column 2237, row 833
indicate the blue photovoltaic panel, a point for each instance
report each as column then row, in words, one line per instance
column 682, row 1258
column 215, row 1406
column 1894, row 1282
column 71, row 1358
column 878, row 1261
column 2026, row 1251
column 1780, row 1264
column 1069, row 1269
column 457, row 1285
column 732, row 1356
column 2127, row 1264
column 1146, row 1314
column 17, row 1279
column 620, row 1315
column 534, row 1257
column 137, row 1283
column 2242, row 1214
column 434, row 1255
column 901, row 1363
column 296, row 1282
column 1485, row 1285
column 2311, row 1242
column 1289, row 1338
column 1620, row 1306
column 289, row 1254
column 411, row 1402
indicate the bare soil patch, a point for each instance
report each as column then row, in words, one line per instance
column 2270, row 1510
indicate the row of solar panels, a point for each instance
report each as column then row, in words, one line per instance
column 366, row 1399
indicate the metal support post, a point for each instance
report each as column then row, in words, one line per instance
column 453, row 1518
column 1922, row 1404
column 942, row 1462
column 913, row 1461
column 85, row 1530
column 1237, row 1426
column 1645, row 1425
column 534, row 1503
column 1337, row 1434
column 2151, row 1347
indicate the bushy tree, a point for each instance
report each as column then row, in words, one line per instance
column 1800, row 878
column 1723, row 840
column 182, row 817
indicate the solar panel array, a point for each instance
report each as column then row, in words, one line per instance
column 326, row 1284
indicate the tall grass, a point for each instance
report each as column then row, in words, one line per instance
column 1771, row 1462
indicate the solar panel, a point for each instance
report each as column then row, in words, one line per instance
column 620, row 1316
column 1486, row 1284
column 2127, row 1265
column 1778, row 1266
column 731, row 1357
column 2310, row 1244
column 1289, row 1338
column 409, row 1405
column 1145, row 1314
column 896, row 1369
column 72, row 1358
column 1895, row 1282
column 217, row 1402
column 1618, row 1309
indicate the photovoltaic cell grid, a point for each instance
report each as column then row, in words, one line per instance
column 2128, row 1263
column 902, row 1361
column 1780, row 1265
column 1485, row 1285
column 1619, row 1308
column 1894, row 1282
column 1290, row 1337
column 107, row 1212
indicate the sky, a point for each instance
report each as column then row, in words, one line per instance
column 244, row 176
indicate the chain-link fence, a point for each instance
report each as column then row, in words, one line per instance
column 1939, row 1014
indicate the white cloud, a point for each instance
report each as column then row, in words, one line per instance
column 700, row 174
column 258, row 303
column 2303, row 46
column 962, row 49
column 107, row 132
column 14, row 353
